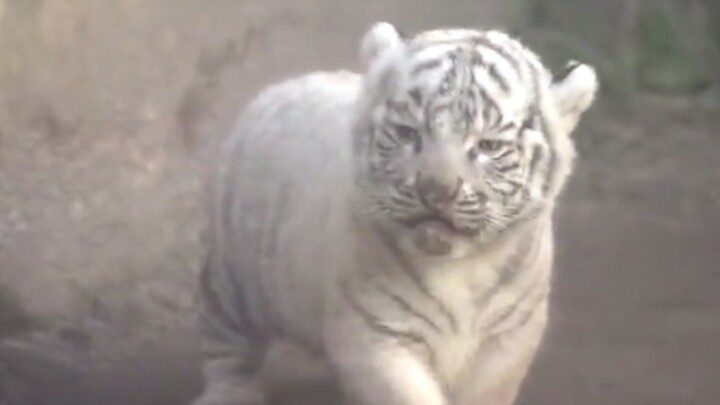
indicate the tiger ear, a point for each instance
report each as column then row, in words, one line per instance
column 573, row 93
column 378, row 41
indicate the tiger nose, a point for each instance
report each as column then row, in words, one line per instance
column 437, row 192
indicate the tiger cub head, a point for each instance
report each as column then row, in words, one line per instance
column 461, row 135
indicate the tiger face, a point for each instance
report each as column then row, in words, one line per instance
column 461, row 135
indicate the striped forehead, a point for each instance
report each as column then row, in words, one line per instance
column 436, row 36
column 503, row 72
column 435, row 54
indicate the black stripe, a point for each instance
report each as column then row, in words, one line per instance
column 507, row 152
column 389, row 135
column 525, row 317
column 397, row 108
column 376, row 325
column 244, row 322
column 386, row 153
column 439, row 108
column 476, row 58
column 468, row 212
column 426, row 65
column 544, row 129
column 467, row 202
column 410, row 271
column 490, row 103
column 508, row 272
column 400, row 301
column 415, row 95
column 516, row 186
column 422, row 45
column 522, row 140
column 406, row 192
column 402, row 202
column 531, row 121
column 517, row 208
column 505, row 193
column 535, row 74
column 506, row 127
column 534, row 161
column 412, row 274
column 512, row 309
column 213, row 308
column 495, row 338
column 382, row 147
column 501, row 81
column 502, row 52
column 553, row 164
column 507, row 168
column 210, row 300
column 567, row 70
column 277, row 208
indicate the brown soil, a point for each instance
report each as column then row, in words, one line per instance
column 110, row 114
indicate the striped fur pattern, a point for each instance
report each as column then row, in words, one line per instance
column 396, row 222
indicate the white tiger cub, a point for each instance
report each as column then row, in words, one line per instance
column 397, row 222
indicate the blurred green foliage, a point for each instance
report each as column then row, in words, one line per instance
column 656, row 32
column 666, row 46
column 713, row 7
column 666, row 59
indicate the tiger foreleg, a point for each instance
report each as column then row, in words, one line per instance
column 388, row 377
column 373, row 369
column 226, row 386
column 497, row 377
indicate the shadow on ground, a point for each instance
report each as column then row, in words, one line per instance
column 635, row 322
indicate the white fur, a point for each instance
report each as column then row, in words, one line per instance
column 380, row 39
column 290, row 240
column 575, row 93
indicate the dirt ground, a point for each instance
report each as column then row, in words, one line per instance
column 110, row 115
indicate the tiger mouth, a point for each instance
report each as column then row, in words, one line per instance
column 439, row 222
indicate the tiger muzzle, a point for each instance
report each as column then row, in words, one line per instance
column 437, row 193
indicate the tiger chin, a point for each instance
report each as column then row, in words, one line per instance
column 398, row 221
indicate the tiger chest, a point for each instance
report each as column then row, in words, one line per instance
column 500, row 323
column 460, row 289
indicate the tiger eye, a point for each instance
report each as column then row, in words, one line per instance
column 409, row 135
column 529, row 123
column 489, row 145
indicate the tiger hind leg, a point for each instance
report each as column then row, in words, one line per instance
column 229, row 382
column 234, row 353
